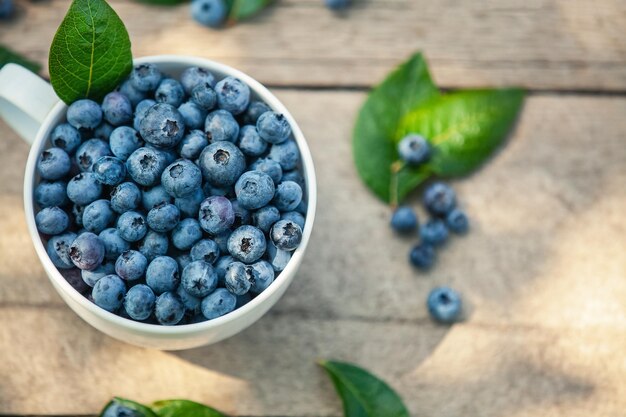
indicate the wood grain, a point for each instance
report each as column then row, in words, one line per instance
column 539, row 44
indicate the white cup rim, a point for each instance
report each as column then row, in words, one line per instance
column 185, row 329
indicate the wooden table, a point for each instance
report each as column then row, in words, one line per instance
column 544, row 269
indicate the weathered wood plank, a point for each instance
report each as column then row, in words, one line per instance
column 547, row 217
column 547, row 44
column 55, row 364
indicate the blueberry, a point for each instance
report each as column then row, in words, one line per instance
column 108, row 293
column 288, row 196
column 181, row 178
column 139, row 302
column 218, row 303
column 145, row 77
column 53, row 164
column 445, row 305
column 221, row 125
column 145, row 166
column 190, row 205
column 132, row 226
column 220, row 267
column 125, row 197
column 162, row 274
column 205, row 250
column 222, row 240
column 169, row 155
column 153, row 196
column 294, row 176
column 87, row 251
column 135, row 96
column 170, row 92
column 169, row 309
column 250, row 143
column 191, row 303
column 124, row 140
column 183, row 260
column 253, row 112
column 109, row 170
column 233, row 95
column 98, row 215
column 286, row 235
column 423, row 256
column 7, row 9
column 286, row 154
column 84, row 114
column 186, row 234
column 162, row 125
column 270, row 167
column 153, row 244
column 254, row 189
column 163, row 217
column 337, row 4
column 295, row 217
column 193, row 115
column 58, row 249
column 237, row 280
column 66, row 137
column 48, row 194
column 404, row 219
column 439, row 198
column 89, row 152
column 278, row 258
column 414, row 149
column 131, row 265
column 204, row 96
column 222, row 163
column 140, row 112
column 91, row 277
column 192, row 144
column 273, row 127
column 265, row 217
column 77, row 212
column 247, row 244
column 113, row 242
column 194, row 76
column 103, row 131
column 199, row 279
column 117, row 108
column 434, row 232
column 242, row 215
column 457, row 221
column 52, row 221
column 210, row 190
column 84, row 188
column 262, row 274
column 210, row 13
column 115, row 409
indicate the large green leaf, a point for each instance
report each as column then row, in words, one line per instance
column 374, row 138
column 139, row 409
column 8, row 56
column 363, row 394
column 184, row 408
column 464, row 127
column 90, row 54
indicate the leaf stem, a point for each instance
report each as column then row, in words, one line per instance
column 396, row 167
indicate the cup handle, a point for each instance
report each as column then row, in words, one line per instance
column 25, row 100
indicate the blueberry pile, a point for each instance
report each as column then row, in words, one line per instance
column 176, row 201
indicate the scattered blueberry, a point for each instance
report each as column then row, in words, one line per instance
column 404, row 220
column 414, row 149
column 337, row 4
column 434, row 232
column 7, row 9
column 211, row 13
column 439, row 198
column 457, row 221
column 422, row 256
column 445, row 305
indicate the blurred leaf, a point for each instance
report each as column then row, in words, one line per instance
column 8, row 56
column 184, row 408
column 244, row 9
column 138, row 410
column 363, row 394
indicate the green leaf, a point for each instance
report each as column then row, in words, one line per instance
column 464, row 127
column 140, row 408
column 90, row 54
column 8, row 56
column 363, row 394
column 244, row 9
column 184, row 408
column 374, row 145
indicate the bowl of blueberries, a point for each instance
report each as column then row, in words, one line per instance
column 175, row 212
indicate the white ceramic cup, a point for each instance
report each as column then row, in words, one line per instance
column 30, row 106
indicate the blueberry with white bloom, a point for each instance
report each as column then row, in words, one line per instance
column 98, row 215
column 233, row 95
column 52, row 221
column 273, row 127
column 109, row 292
column 194, row 76
column 66, row 137
column 117, row 108
column 109, row 170
column 221, row 125
column 445, row 305
column 162, row 126
column 84, row 114
column 139, row 302
column 53, row 164
column 145, row 77
column 58, row 249
column 124, row 140
column 218, row 303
